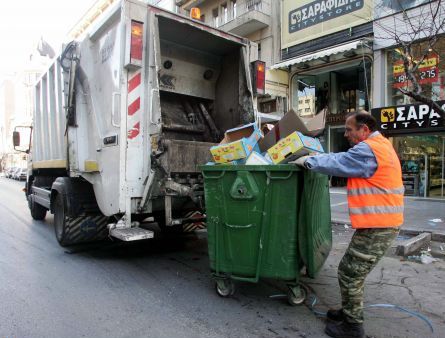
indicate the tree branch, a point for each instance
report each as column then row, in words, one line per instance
column 423, row 99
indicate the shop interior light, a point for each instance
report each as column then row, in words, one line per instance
column 195, row 13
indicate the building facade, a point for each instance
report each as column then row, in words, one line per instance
column 416, row 129
column 347, row 56
column 326, row 49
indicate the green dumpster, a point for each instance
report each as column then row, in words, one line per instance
column 266, row 221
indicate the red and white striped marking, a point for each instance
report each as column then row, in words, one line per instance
column 134, row 105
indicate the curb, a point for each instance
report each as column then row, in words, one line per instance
column 437, row 236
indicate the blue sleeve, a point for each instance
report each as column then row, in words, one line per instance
column 359, row 161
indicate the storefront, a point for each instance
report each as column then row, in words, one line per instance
column 327, row 52
column 415, row 128
column 417, row 132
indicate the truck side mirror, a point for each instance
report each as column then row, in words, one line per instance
column 16, row 138
column 19, row 133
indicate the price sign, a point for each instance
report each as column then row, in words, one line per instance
column 399, row 75
column 427, row 72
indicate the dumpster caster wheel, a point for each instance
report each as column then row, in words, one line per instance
column 296, row 295
column 225, row 287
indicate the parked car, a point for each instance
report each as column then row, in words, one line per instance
column 10, row 172
column 16, row 173
column 22, row 174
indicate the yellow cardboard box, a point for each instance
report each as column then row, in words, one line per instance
column 237, row 144
column 293, row 146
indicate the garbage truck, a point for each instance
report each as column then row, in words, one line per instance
column 125, row 115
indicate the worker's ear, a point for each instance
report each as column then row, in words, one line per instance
column 366, row 129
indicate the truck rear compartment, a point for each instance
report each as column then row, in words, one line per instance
column 203, row 92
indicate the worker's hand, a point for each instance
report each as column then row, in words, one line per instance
column 301, row 161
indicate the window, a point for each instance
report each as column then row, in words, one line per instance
column 215, row 17
column 430, row 75
column 340, row 91
column 224, row 13
column 233, row 8
column 303, row 88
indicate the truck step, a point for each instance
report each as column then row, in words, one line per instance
column 131, row 234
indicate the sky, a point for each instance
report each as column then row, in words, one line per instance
column 24, row 22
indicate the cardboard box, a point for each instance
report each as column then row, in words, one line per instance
column 257, row 159
column 238, row 143
column 293, row 146
column 290, row 123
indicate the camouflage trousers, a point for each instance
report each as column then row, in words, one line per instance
column 367, row 247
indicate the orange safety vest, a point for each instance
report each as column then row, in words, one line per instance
column 377, row 201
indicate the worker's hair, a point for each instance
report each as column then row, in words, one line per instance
column 362, row 118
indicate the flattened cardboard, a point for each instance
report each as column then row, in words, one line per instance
column 290, row 123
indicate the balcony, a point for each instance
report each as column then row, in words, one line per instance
column 188, row 3
column 246, row 17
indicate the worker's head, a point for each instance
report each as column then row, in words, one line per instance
column 358, row 127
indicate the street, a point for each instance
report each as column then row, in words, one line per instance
column 162, row 289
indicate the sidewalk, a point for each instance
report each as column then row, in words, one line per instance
column 421, row 215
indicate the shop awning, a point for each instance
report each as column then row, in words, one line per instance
column 318, row 55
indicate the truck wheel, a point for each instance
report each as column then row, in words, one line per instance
column 38, row 212
column 75, row 230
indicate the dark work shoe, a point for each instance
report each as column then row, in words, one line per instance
column 335, row 315
column 345, row 330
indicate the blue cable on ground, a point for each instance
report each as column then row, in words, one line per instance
column 390, row 306
column 413, row 313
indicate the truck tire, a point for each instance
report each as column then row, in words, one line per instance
column 38, row 212
column 80, row 229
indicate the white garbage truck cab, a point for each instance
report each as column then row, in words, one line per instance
column 124, row 117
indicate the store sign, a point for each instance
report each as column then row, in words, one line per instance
column 306, row 20
column 409, row 118
column 320, row 11
column 338, row 118
column 427, row 72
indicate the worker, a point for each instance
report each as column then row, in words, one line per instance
column 375, row 199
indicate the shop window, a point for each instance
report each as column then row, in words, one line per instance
column 430, row 74
column 422, row 161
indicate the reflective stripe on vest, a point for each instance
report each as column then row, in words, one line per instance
column 375, row 191
column 377, row 201
column 376, row 209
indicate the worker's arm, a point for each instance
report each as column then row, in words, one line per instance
column 358, row 161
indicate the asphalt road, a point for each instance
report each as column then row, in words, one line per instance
column 154, row 288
